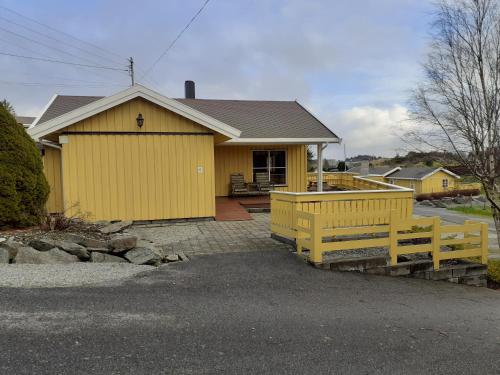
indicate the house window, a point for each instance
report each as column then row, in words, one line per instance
column 445, row 183
column 412, row 185
column 391, row 181
column 272, row 162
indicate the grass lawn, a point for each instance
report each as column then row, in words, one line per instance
column 474, row 210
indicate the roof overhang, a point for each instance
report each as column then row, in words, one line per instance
column 283, row 141
column 133, row 92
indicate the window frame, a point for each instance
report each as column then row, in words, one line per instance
column 445, row 183
column 268, row 166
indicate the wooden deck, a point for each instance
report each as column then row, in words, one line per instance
column 234, row 209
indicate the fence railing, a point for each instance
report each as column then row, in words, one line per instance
column 468, row 186
column 350, row 181
column 340, row 208
column 399, row 235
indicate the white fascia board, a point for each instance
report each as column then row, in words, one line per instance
column 50, row 144
column 256, row 141
column 133, row 92
column 403, row 178
column 391, row 171
column 441, row 169
column 43, row 111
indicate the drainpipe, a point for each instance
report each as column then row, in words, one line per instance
column 319, row 178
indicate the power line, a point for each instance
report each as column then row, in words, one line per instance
column 46, row 45
column 57, row 40
column 53, row 84
column 176, row 38
column 62, row 32
column 63, row 62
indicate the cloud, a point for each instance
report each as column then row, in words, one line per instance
column 371, row 130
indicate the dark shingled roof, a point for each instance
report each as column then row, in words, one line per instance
column 412, row 172
column 373, row 170
column 263, row 118
column 66, row 103
column 255, row 118
column 25, row 120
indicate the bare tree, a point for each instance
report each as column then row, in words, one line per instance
column 458, row 103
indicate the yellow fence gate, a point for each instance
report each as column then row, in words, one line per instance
column 461, row 241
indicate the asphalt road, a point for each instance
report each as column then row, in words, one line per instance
column 251, row 313
column 459, row 218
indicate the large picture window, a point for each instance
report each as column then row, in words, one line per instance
column 272, row 162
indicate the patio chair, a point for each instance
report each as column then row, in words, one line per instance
column 263, row 183
column 238, row 184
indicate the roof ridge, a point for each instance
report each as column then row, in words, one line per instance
column 239, row 100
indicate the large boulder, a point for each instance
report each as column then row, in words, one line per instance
column 42, row 244
column 143, row 255
column 116, row 227
column 97, row 257
column 28, row 255
column 122, row 242
column 73, row 249
column 86, row 241
column 4, row 256
column 12, row 247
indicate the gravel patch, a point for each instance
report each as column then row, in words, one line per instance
column 65, row 275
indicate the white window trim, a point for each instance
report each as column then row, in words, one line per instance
column 268, row 167
column 445, row 183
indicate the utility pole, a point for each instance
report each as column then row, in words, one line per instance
column 131, row 70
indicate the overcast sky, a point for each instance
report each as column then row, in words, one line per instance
column 351, row 62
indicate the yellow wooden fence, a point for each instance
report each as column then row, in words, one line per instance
column 340, row 208
column 316, row 234
column 350, row 181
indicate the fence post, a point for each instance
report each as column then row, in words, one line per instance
column 484, row 243
column 316, row 254
column 436, row 241
column 393, row 238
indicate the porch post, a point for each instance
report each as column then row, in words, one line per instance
column 319, row 178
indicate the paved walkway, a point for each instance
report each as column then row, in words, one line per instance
column 212, row 237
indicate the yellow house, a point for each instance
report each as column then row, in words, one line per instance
column 138, row 155
column 424, row 180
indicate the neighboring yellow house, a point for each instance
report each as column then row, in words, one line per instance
column 138, row 155
column 423, row 180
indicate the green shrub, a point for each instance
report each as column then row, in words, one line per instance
column 23, row 186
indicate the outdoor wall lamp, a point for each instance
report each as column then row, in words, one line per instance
column 140, row 120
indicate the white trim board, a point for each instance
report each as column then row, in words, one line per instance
column 133, row 92
column 260, row 141
column 43, row 111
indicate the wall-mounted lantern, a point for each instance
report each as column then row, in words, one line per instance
column 140, row 120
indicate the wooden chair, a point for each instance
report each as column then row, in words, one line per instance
column 263, row 183
column 238, row 184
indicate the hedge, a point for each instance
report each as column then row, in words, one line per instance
column 444, row 194
column 23, row 186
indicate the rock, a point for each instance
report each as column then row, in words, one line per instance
column 439, row 204
column 4, row 256
column 97, row 257
column 460, row 200
column 28, row 255
column 42, row 244
column 11, row 246
column 121, row 243
column 73, row 249
column 172, row 258
column 86, row 241
column 3, row 239
column 116, row 227
column 183, row 256
column 426, row 203
column 143, row 255
column 98, row 250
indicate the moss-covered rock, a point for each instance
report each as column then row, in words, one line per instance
column 23, row 186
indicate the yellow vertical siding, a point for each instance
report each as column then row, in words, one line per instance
column 233, row 159
column 434, row 183
column 139, row 176
column 52, row 170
